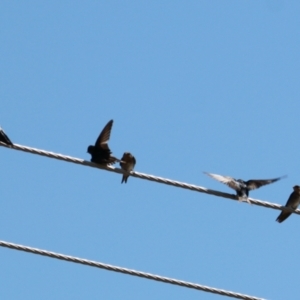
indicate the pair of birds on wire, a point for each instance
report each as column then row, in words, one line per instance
column 101, row 154
column 243, row 188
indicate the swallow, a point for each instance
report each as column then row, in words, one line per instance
column 127, row 163
column 242, row 187
column 293, row 202
column 101, row 153
column 4, row 138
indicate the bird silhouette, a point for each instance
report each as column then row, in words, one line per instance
column 4, row 138
column 100, row 152
column 293, row 202
column 127, row 163
column 242, row 187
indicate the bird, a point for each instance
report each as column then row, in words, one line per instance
column 101, row 153
column 293, row 202
column 4, row 138
column 242, row 187
column 127, row 163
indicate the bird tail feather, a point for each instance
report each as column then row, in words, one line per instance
column 283, row 216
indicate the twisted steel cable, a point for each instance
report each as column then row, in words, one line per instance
column 147, row 177
column 127, row 271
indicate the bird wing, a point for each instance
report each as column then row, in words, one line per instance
column 253, row 184
column 4, row 137
column 104, row 136
column 231, row 182
column 292, row 201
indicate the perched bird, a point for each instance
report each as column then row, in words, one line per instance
column 242, row 187
column 127, row 164
column 293, row 202
column 101, row 153
column 4, row 138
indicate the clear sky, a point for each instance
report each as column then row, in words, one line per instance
column 192, row 86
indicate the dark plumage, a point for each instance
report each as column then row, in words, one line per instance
column 293, row 202
column 4, row 138
column 101, row 153
column 127, row 164
column 242, row 187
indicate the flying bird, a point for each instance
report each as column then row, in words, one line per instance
column 127, row 164
column 101, row 153
column 242, row 187
column 4, row 138
column 293, row 202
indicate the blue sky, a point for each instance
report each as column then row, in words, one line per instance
column 191, row 86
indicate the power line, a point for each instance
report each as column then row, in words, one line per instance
column 127, row 271
column 147, row 177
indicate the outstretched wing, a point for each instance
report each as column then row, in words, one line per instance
column 231, row 182
column 104, row 136
column 253, row 184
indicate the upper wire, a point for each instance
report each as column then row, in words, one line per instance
column 175, row 183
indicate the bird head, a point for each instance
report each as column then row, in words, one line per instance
column 90, row 149
column 297, row 189
column 241, row 181
column 126, row 154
